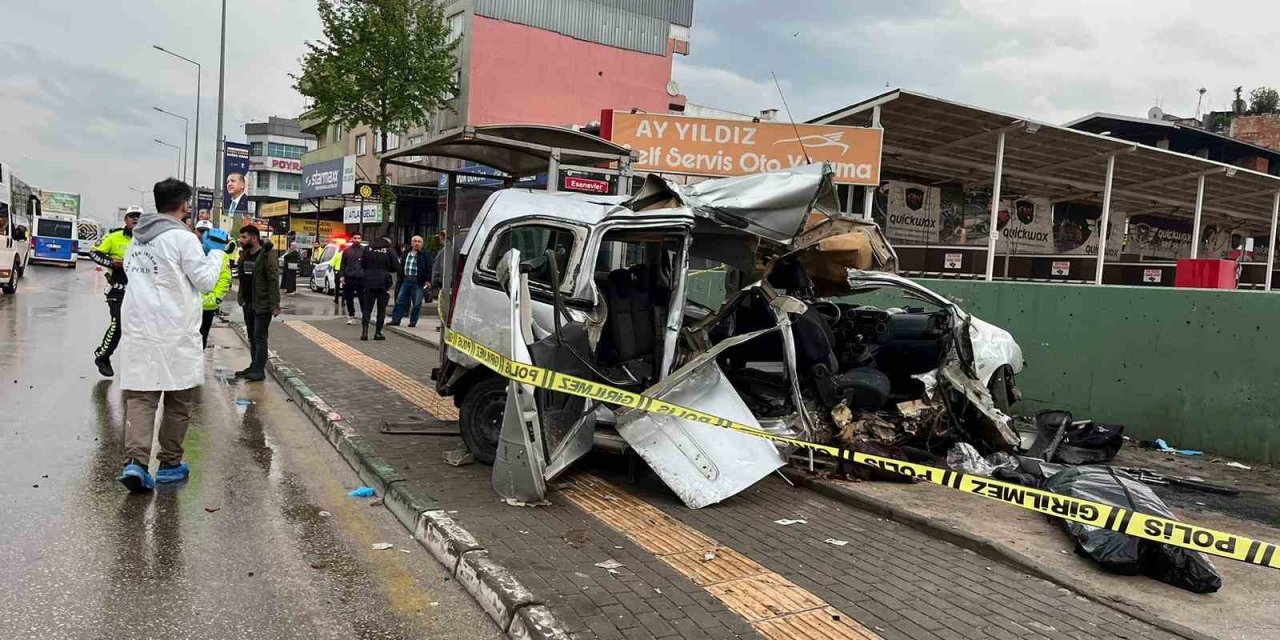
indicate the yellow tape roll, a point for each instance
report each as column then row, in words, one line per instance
column 1097, row 514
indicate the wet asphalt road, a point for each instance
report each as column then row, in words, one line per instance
column 239, row 551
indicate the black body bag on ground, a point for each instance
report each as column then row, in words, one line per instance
column 1183, row 568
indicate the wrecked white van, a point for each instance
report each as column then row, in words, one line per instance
column 595, row 286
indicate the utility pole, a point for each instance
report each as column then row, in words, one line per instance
column 222, row 75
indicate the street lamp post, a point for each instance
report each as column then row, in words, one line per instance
column 185, row 125
column 195, row 160
column 222, row 145
column 142, row 194
column 176, row 148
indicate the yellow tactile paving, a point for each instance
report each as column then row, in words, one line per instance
column 675, row 538
column 412, row 390
column 721, row 564
column 630, row 519
column 774, row 606
column 817, row 624
column 765, row 596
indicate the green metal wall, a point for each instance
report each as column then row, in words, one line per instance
column 1200, row 369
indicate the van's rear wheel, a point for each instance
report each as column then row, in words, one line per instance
column 480, row 418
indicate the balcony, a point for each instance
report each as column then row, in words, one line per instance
column 327, row 152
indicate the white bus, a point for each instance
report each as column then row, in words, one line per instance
column 17, row 206
column 90, row 233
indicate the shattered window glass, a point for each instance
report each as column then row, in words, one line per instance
column 533, row 241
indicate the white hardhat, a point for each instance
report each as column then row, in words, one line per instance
column 133, row 211
column 204, row 224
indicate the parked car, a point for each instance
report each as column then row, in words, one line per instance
column 322, row 279
column 595, row 286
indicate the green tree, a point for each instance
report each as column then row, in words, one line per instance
column 1264, row 100
column 388, row 64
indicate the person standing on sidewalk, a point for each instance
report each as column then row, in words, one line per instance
column 379, row 263
column 351, row 277
column 109, row 253
column 259, row 296
column 289, row 277
column 213, row 299
column 415, row 273
column 160, row 343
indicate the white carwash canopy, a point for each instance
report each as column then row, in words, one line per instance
column 939, row 139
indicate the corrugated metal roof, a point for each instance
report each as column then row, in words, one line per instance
column 637, row 25
column 941, row 140
column 673, row 11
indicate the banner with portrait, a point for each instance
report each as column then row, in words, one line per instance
column 235, row 172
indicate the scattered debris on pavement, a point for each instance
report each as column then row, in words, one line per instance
column 786, row 522
column 1163, row 446
column 324, row 514
column 212, row 509
column 362, row 492
column 834, row 542
column 382, row 546
column 458, row 457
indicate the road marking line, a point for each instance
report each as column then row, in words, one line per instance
column 410, row 389
column 774, row 606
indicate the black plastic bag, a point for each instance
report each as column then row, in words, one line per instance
column 1183, row 568
column 1090, row 442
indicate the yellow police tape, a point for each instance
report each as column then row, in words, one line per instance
column 1097, row 514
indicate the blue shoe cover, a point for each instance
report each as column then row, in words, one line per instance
column 173, row 474
column 136, row 479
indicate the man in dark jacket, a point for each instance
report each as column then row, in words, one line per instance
column 415, row 273
column 258, row 295
column 379, row 263
column 350, row 276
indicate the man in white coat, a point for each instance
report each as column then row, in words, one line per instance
column 163, row 360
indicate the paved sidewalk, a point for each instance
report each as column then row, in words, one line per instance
column 761, row 579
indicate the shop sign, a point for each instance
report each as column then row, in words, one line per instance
column 274, row 209
column 714, row 147
column 585, row 185
column 351, row 213
column 306, row 228
column 329, row 178
column 1061, row 267
column 952, row 260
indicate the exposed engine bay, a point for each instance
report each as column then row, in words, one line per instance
column 860, row 370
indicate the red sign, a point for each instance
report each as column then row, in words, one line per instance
column 586, row 185
column 284, row 164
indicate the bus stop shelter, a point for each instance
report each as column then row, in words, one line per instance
column 940, row 140
column 518, row 151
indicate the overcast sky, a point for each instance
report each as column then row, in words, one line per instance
column 78, row 78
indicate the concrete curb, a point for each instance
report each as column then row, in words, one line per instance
column 986, row 548
column 414, row 337
column 496, row 589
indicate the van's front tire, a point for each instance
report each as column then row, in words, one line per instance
column 480, row 418
column 11, row 287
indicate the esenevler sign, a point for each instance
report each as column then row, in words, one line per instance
column 712, row 147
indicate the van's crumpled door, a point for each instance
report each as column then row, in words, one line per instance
column 520, row 463
column 703, row 464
